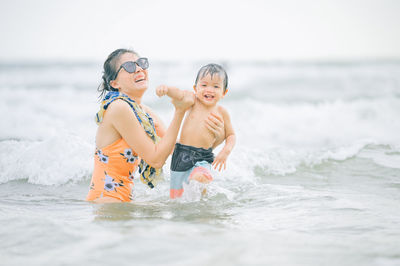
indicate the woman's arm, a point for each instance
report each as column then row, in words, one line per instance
column 215, row 124
column 125, row 122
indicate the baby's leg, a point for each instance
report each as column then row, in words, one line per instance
column 201, row 174
column 176, row 185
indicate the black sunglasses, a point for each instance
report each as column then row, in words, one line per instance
column 130, row 66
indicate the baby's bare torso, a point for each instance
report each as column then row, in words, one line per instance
column 194, row 131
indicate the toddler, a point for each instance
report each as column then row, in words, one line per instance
column 193, row 156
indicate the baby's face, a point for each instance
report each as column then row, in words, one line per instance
column 209, row 90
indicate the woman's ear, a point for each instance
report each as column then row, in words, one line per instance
column 114, row 84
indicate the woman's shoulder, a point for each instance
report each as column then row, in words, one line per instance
column 118, row 106
column 119, row 110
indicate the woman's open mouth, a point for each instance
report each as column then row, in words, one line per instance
column 139, row 80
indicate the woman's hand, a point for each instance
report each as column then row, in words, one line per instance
column 215, row 124
column 185, row 103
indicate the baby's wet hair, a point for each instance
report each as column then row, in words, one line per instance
column 110, row 70
column 213, row 69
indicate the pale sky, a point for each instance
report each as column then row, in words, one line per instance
column 202, row 29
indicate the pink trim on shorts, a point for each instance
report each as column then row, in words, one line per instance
column 201, row 170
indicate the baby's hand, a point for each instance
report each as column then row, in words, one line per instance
column 162, row 90
column 220, row 161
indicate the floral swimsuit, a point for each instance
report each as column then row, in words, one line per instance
column 114, row 167
column 115, row 164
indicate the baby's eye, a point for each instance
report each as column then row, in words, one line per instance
column 216, row 87
column 203, row 85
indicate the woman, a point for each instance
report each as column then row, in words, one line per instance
column 129, row 132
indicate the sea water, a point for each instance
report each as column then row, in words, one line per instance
column 314, row 178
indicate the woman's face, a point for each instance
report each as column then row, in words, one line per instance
column 129, row 83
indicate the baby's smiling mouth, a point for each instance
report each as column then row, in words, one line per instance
column 208, row 96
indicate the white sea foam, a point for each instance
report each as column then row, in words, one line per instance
column 37, row 114
column 383, row 155
column 326, row 124
column 279, row 134
column 279, row 137
column 54, row 161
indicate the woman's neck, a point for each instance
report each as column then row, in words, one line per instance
column 136, row 96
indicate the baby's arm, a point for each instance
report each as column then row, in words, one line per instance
column 230, row 140
column 171, row 92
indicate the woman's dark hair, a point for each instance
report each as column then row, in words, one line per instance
column 110, row 69
column 213, row 69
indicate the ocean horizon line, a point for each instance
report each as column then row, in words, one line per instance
column 29, row 62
